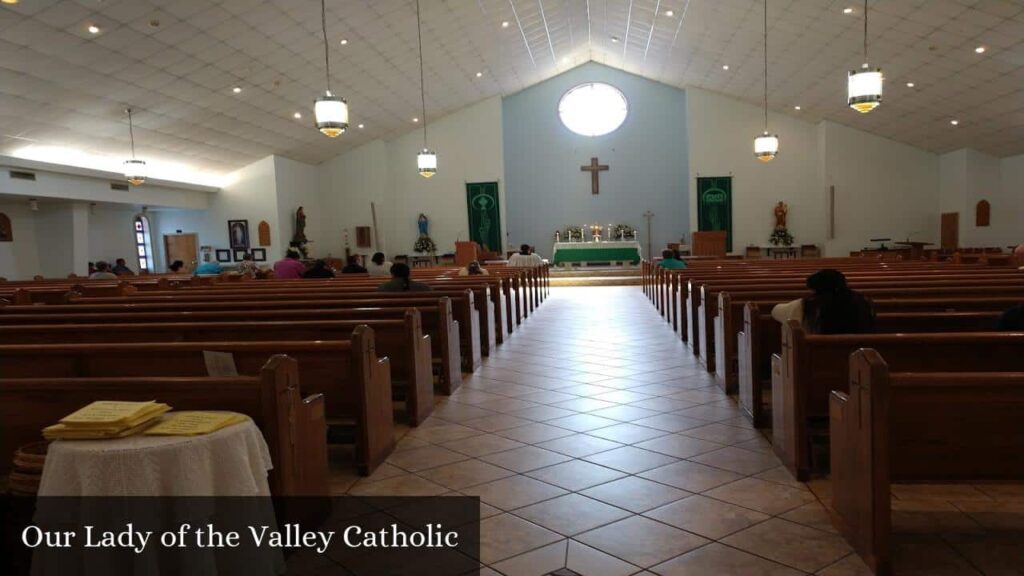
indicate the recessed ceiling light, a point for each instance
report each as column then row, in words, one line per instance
column 847, row 10
column 504, row 24
column 237, row 89
column 615, row 39
column 980, row 49
column 361, row 126
column 93, row 29
column 565, row 59
column 297, row 115
column 669, row 13
column 725, row 66
column 9, row 1
column 954, row 122
column 344, row 42
column 797, row 108
column 479, row 74
column 910, row 84
column 415, row 119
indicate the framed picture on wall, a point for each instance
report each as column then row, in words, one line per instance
column 239, row 255
column 223, row 255
column 259, row 254
column 238, row 234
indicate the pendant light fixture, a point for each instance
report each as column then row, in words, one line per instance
column 331, row 111
column 134, row 169
column 864, row 87
column 766, row 146
column 426, row 160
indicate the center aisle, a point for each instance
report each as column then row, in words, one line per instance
column 595, row 440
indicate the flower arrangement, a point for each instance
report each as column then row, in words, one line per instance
column 425, row 244
column 574, row 232
column 781, row 236
column 623, row 231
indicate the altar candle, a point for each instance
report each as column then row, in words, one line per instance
column 558, row 236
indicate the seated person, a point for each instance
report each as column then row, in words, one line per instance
column 474, row 269
column 379, row 266
column 209, row 269
column 121, row 269
column 102, row 272
column 670, row 260
column 833, row 308
column 319, row 270
column 525, row 258
column 1018, row 255
column 353, row 266
column 92, row 268
column 290, row 266
column 401, row 282
column 176, row 266
column 1012, row 320
column 247, row 265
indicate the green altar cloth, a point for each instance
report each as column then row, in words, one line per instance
column 567, row 252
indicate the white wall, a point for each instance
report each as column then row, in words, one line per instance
column 721, row 142
column 968, row 176
column 348, row 184
column 112, row 234
column 1012, row 185
column 297, row 185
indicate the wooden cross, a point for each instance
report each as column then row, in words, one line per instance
column 595, row 169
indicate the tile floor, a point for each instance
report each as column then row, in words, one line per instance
column 595, row 441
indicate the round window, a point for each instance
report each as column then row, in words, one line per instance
column 593, row 109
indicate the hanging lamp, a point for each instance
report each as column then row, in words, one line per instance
column 426, row 160
column 331, row 111
column 864, row 87
column 766, row 146
column 134, row 169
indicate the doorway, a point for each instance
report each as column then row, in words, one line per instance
column 950, row 232
column 184, row 247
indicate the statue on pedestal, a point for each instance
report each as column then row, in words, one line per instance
column 780, row 215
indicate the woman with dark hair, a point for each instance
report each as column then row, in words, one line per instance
column 378, row 265
column 833, row 308
column 401, row 282
column 176, row 266
column 319, row 270
column 353, row 266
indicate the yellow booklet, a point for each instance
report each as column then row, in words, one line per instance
column 189, row 423
column 114, row 415
column 65, row 432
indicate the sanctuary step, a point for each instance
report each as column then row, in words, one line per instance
column 596, row 276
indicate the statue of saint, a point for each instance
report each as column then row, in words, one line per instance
column 780, row 215
column 422, row 222
column 300, row 227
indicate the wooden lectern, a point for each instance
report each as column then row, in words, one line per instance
column 709, row 243
column 466, row 252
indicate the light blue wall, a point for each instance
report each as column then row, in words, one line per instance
column 647, row 156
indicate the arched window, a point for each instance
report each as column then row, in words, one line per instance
column 143, row 243
column 593, row 109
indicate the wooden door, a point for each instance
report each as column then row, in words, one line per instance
column 950, row 230
column 184, row 247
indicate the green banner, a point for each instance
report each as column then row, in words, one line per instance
column 484, row 215
column 714, row 205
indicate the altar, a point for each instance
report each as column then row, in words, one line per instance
column 567, row 253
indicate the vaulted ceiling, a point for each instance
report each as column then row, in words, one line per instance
column 177, row 62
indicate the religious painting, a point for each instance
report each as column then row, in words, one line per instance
column 223, row 255
column 714, row 206
column 238, row 234
column 363, row 237
column 239, row 254
column 6, row 234
column 484, row 215
column 259, row 254
column 263, row 232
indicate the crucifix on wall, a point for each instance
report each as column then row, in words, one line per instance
column 595, row 169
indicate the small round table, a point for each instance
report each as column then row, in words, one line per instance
column 232, row 461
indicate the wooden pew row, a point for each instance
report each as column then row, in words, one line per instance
column 353, row 380
column 401, row 341
column 473, row 308
column 293, row 426
column 812, row 366
column 435, row 315
column 761, row 337
column 927, row 427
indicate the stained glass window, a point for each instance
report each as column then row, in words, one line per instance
column 143, row 244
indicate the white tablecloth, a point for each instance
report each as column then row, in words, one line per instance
column 589, row 245
column 229, row 462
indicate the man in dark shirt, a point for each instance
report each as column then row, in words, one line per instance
column 319, row 270
column 353, row 266
column 121, row 269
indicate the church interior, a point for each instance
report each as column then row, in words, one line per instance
column 668, row 287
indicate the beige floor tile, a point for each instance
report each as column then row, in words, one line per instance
column 579, row 445
column 622, row 396
column 665, row 404
column 759, row 444
column 525, row 459
column 407, row 485
column 437, row 431
column 537, row 562
column 852, row 565
column 791, row 544
column 781, row 475
column 535, row 433
column 513, row 492
column 630, row 459
column 700, row 396
column 812, row 515
column 761, row 495
column 738, row 460
column 497, row 422
column 958, row 492
column 635, row 494
column 1000, row 516
column 455, row 412
column 542, row 413
column 718, row 560
column 706, row 517
column 583, row 559
column 712, row 413
column 584, row 404
column 587, row 390
column 641, row 541
column 691, row 476
column 480, row 445
column 505, row 405
column 670, row 422
column 624, row 413
column 546, row 397
column 679, row 445
column 417, row 459
column 464, row 474
column 582, row 422
column 723, row 433
column 575, row 475
column 505, row 536
column 572, row 514
column 627, row 433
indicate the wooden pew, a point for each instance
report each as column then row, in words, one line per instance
column 924, row 427
column 812, row 366
column 356, row 384
column 293, row 425
column 401, row 341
